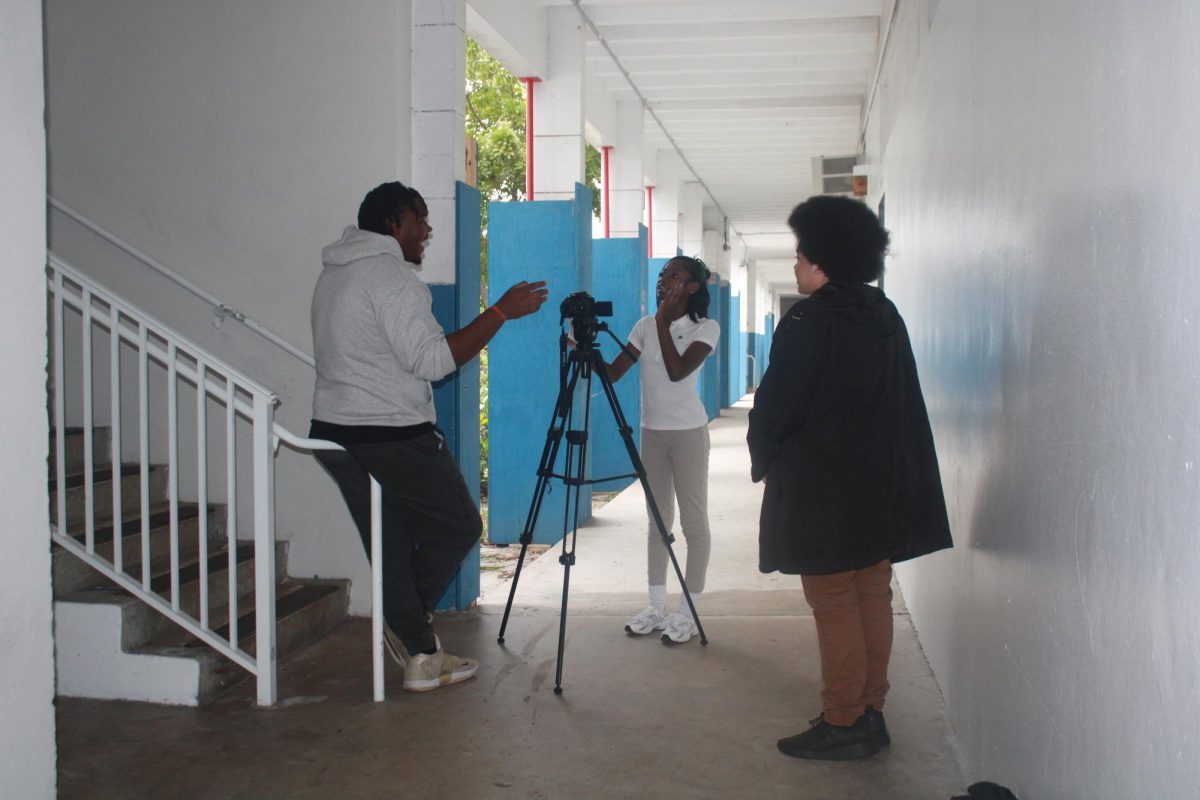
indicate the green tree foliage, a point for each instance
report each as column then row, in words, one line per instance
column 496, row 121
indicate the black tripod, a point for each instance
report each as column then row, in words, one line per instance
column 582, row 361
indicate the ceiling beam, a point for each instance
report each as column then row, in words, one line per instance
column 792, row 29
column 649, row 13
column 831, row 103
column 741, row 62
column 719, row 79
column 630, row 51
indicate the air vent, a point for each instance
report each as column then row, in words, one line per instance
column 834, row 174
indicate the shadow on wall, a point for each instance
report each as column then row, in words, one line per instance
column 1064, row 421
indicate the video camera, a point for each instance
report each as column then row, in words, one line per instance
column 583, row 310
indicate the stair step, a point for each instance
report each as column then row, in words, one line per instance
column 101, row 473
column 102, row 491
column 72, row 573
column 304, row 610
column 73, row 448
column 141, row 624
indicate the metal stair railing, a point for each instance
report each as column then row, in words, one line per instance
column 153, row 343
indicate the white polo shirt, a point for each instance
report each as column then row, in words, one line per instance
column 671, row 405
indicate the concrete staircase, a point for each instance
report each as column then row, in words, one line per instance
column 110, row 645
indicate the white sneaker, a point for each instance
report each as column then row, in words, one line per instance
column 648, row 620
column 427, row 671
column 679, row 628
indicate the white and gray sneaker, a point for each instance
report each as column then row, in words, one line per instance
column 648, row 620
column 679, row 628
column 427, row 671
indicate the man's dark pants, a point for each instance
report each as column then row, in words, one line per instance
column 430, row 523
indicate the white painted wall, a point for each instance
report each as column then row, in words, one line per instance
column 231, row 141
column 27, row 748
column 1041, row 172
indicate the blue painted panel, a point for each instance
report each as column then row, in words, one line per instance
column 618, row 274
column 710, row 375
column 653, row 267
column 728, row 343
column 456, row 397
column 737, row 353
column 768, row 337
column 545, row 240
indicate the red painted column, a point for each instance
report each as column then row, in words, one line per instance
column 604, row 187
column 650, row 222
column 529, row 82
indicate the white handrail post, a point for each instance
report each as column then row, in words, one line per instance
column 89, row 476
column 114, row 382
column 60, row 425
column 173, row 466
column 264, row 548
column 377, row 588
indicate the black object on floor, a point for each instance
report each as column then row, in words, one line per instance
column 986, row 790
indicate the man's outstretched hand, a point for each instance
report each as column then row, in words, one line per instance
column 522, row 299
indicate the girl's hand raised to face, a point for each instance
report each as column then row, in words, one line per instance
column 672, row 297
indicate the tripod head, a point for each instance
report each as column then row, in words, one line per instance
column 584, row 331
column 584, row 310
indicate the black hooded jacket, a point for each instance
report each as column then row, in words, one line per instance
column 840, row 432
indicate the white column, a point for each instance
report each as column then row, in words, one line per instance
column 558, row 143
column 691, row 219
column 27, row 744
column 439, row 74
column 713, row 253
column 666, row 204
column 627, row 197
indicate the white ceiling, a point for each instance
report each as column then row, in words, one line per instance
column 749, row 91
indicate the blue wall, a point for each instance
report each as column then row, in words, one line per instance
column 653, row 267
column 728, row 341
column 736, row 350
column 768, row 338
column 710, row 373
column 544, row 240
column 456, row 397
column 619, row 268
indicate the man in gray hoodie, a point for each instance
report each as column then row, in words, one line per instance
column 378, row 347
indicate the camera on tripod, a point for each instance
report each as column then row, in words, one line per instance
column 583, row 310
column 581, row 365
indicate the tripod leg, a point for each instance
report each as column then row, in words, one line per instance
column 562, row 622
column 576, row 478
column 640, row 468
column 554, row 435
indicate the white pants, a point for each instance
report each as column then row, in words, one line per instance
column 677, row 470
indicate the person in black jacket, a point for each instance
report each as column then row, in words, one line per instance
column 840, row 434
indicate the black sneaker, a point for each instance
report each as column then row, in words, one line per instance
column 877, row 727
column 831, row 742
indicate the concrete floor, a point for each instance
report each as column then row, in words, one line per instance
column 636, row 719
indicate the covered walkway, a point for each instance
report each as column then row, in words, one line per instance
column 1036, row 166
column 637, row 719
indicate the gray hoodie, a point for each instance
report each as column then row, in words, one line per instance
column 376, row 341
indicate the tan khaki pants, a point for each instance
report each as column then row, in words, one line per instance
column 677, row 470
column 853, row 612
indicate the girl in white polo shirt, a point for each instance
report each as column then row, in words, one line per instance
column 671, row 346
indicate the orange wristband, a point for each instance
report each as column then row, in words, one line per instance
column 498, row 311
